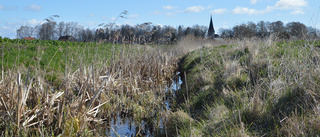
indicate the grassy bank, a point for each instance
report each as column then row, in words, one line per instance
column 249, row 88
column 52, row 88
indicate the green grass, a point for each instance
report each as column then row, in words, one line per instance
column 252, row 88
column 50, row 57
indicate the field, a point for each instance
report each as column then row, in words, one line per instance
column 251, row 87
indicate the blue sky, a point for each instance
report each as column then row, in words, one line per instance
column 90, row 13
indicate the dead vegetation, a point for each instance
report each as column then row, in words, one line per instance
column 130, row 84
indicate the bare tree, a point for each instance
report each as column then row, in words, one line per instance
column 100, row 34
column 24, row 31
column 252, row 29
column 244, row 30
column 188, row 31
column 61, row 28
column 262, row 30
column 180, row 32
column 297, row 29
column 127, row 32
column 67, row 28
column 46, row 27
column 156, row 34
column 312, row 32
column 199, row 31
column 226, row 33
column 47, row 31
column 278, row 29
column 86, row 35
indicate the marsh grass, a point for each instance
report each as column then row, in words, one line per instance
column 54, row 88
column 253, row 87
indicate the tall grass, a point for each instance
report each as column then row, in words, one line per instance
column 69, row 89
column 250, row 87
column 253, row 87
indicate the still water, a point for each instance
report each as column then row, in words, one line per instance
column 126, row 127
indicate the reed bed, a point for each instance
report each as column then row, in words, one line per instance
column 126, row 81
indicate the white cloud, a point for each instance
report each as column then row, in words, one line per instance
column 297, row 11
column 245, row 10
column 33, row 7
column 133, row 16
column 129, row 23
column 2, row 7
column 156, row 13
column 195, row 9
column 169, row 14
column 4, row 27
column 91, row 23
column 169, row 7
column 159, row 25
column 9, row 30
column 109, row 19
column 218, row 11
column 291, row 4
column 225, row 26
column 253, row 1
column 295, row 5
column 4, row 30
column 91, row 15
column 113, row 19
column 33, row 22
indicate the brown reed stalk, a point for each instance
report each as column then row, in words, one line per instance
column 188, row 103
column 19, row 100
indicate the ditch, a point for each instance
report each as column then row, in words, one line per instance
column 122, row 125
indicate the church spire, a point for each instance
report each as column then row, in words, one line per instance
column 211, row 29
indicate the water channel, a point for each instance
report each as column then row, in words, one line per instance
column 126, row 126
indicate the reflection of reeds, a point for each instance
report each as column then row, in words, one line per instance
column 128, row 83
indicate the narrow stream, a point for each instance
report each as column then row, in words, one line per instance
column 125, row 126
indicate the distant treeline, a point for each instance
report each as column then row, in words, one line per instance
column 291, row 30
column 147, row 33
column 141, row 33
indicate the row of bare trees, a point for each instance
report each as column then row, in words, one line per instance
column 140, row 33
column 147, row 33
column 50, row 30
column 263, row 29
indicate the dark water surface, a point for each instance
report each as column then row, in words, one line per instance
column 127, row 127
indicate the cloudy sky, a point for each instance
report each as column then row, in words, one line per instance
column 90, row 13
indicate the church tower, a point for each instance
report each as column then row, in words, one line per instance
column 211, row 29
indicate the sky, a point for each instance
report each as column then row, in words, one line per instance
column 91, row 13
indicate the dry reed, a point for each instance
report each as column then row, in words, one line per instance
column 93, row 94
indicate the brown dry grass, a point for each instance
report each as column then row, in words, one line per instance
column 131, row 84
